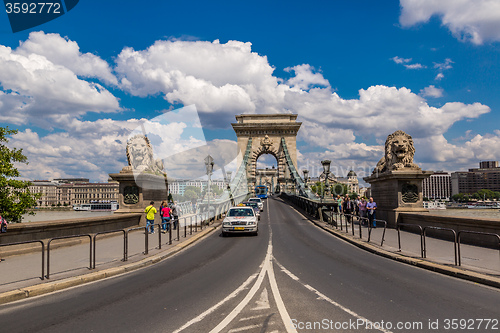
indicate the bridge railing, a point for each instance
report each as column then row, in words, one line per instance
column 42, row 277
column 477, row 233
column 326, row 212
column 192, row 221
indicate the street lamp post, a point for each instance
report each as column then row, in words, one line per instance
column 229, row 173
column 209, row 163
column 326, row 169
column 306, row 176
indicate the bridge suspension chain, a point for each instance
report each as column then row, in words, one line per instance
column 238, row 184
column 303, row 191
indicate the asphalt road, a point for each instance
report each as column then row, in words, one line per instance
column 292, row 277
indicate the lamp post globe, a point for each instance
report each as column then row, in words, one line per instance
column 326, row 170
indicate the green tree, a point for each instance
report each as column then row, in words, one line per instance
column 486, row 194
column 197, row 190
column 340, row 189
column 15, row 197
column 190, row 195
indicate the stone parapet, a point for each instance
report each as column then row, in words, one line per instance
column 458, row 224
column 20, row 232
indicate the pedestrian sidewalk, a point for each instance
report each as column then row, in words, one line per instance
column 20, row 275
column 478, row 264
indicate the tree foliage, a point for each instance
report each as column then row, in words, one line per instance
column 15, row 196
column 336, row 189
column 479, row 195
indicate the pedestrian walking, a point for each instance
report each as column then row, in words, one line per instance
column 165, row 213
column 339, row 204
column 3, row 225
column 362, row 210
column 176, row 212
column 355, row 203
column 347, row 207
column 372, row 207
column 150, row 217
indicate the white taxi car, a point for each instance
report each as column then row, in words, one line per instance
column 259, row 202
column 241, row 219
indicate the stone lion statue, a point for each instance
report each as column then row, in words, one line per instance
column 140, row 156
column 399, row 152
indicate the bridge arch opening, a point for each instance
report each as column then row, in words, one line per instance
column 269, row 134
column 267, row 170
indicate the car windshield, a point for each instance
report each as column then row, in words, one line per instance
column 251, row 204
column 255, row 200
column 240, row 212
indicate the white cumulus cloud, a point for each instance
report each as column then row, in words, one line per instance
column 432, row 91
column 35, row 87
column 476, row 21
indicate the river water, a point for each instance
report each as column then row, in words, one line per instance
column 467, row 212
column 63, row 215
column 47, row 215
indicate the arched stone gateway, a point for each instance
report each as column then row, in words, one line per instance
column 274, row 134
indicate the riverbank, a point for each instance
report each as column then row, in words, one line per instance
column 57, row 208
column 52, row 215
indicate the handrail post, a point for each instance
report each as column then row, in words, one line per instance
column 28, row 242
column 360, row 232
column 178, row 228
column 352, row 223
column 170, row 235
column 65, row 237
column 446, row 229
column 399, row 237
column 383, row 233
column 477, row 233
column 124, row 246
column 160, row 225
column 146, row 240
column 93, row 262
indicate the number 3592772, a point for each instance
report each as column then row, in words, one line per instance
column 33, row 8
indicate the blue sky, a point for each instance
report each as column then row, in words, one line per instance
column 354, row 72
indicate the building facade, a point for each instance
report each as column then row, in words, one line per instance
column 487, row 177
column 178, row 187
column 437, row 186
column 65, row 192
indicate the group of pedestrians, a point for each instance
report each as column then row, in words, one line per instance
column 169, row 214
column 358, row 207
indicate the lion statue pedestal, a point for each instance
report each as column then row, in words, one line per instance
column 142, row 181
column 396, row 182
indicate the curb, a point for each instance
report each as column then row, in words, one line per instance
column 418, row 262
column 48, row 287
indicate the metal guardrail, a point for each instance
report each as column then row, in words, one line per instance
column 194, row 220
column 315, row 209
column 421, row 236
column 477, row 233
column 65, row 237
column 383, row 233
column 109, row 232
column 446, row 229
column 43, row 252
column 145, row 239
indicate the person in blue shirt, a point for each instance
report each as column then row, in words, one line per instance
column 371, row 206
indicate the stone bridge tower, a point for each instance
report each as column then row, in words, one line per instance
column 267, row 131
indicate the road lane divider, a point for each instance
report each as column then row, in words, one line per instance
column 328, row 299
